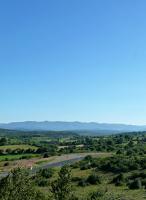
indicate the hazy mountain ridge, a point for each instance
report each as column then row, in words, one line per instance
column 70, row 126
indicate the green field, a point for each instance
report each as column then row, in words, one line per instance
column 123, row 191
column 82, row 192
column 13, row 147
column 17, row 157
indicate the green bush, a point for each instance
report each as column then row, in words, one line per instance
column 46, row 173
column 83, row 183
column 119, row 180
column 18, row 185
column 94, row 179
column 135, row 184
column 42, row 182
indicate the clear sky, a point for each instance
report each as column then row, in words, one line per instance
column 73, row 60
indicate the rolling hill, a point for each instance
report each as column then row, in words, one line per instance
column 71, row 126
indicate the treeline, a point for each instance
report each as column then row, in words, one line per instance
column 129, row 144
column 45, row 151
column 51, row 134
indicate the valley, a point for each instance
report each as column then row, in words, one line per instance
column 109, row 165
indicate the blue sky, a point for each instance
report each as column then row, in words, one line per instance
column 77, row 60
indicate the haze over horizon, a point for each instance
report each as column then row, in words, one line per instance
column 73, row 61
column 122, row 123
column 82, row 127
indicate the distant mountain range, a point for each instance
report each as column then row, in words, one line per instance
column 71, row 126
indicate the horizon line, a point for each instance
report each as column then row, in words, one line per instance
column 73, row 121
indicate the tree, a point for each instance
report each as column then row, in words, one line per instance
column 3, row 141
column 119, row 180
column 18, row 185
column 46, row 173
column 136, row 184
column 61, row 188
column 94, row 179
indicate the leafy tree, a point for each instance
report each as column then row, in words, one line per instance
column 136, row 184
column 119, row 180
column 83, row 182
column 94, row 179
column 3, row 141
column 17, row 185
column 61, row 188
column 46, row 173
column 1, row 151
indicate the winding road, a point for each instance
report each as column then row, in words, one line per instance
column 59, row 161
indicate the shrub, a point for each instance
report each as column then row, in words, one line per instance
column 136, row 184
column 119, row 180
column 6, row 164
column 42, row 182
column 88, row 158
column 97, row 195
column 83, row 183
column 46, row 155
column 76, row 179
column 144, row 182
column 46, row 173
column 75, row 165
column 94, row 179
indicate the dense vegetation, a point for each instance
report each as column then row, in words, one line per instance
column 119, row 174
column 19, row 185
